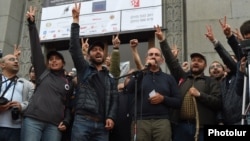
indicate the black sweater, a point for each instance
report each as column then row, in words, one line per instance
column 162, row 83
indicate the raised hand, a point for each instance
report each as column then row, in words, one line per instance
column 85, row 46
column 210, row 34
column 17, row 50
column 185, row 66
column 158, row 33
column 133, row 43
column 116, row 41
column 31, row 14
column 175, row 50
column 76, row 12
column 238, row 34
column 225, row 27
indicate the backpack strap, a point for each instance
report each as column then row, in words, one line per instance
column 42, row 76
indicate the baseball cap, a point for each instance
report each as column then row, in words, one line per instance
column 196, row 54
column 98, row 43
column 55, row 53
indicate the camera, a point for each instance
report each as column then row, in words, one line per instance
column 15, row 113
column 3, row 100
column 245, row 47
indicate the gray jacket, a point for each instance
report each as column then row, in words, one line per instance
column 28, row 89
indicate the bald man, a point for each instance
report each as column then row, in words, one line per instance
column 15, row 93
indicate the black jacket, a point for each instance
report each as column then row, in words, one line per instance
column 50, row 101
column 231, row 101
column 87, row 99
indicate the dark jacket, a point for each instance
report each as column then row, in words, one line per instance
column 209, row 101
column 231, row 101
column 122, row 128
column 241, row 87
column 87, row 98
column 234, row 44
column 50, row 100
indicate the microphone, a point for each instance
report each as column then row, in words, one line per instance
column 148, row 65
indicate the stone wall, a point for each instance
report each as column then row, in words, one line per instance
column 184, row 22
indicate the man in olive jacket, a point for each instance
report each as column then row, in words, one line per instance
column 203, row 91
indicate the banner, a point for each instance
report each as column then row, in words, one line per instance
column 49, row 3
column 99, row 17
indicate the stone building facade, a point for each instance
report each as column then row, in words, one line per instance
column 184, row 22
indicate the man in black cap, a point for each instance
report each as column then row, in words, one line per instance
column 96, row 95
column 201, row 95
column 97, row 43
column 198, row 55
column 199, row 67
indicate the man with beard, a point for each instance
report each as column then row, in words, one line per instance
column 217, row 70
column 200, row 95
column 231, row 101
column 96, row 93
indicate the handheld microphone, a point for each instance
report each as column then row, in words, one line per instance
column 74, row 71
column 148, row 65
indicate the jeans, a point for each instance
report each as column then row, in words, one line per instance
column 185, row 131
column 36, row 130
column 9, row 134
column 85, row 129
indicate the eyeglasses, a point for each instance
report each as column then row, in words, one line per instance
column 215, row 66
column 152, row 54
column 13, row 59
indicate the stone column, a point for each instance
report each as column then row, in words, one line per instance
column 174, row 24
column 25, row 60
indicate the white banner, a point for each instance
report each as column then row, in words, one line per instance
column 99, row 17
column 141, row 18
column 89, row 25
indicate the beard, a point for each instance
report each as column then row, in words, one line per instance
column 197, row 72
column 93, row 61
